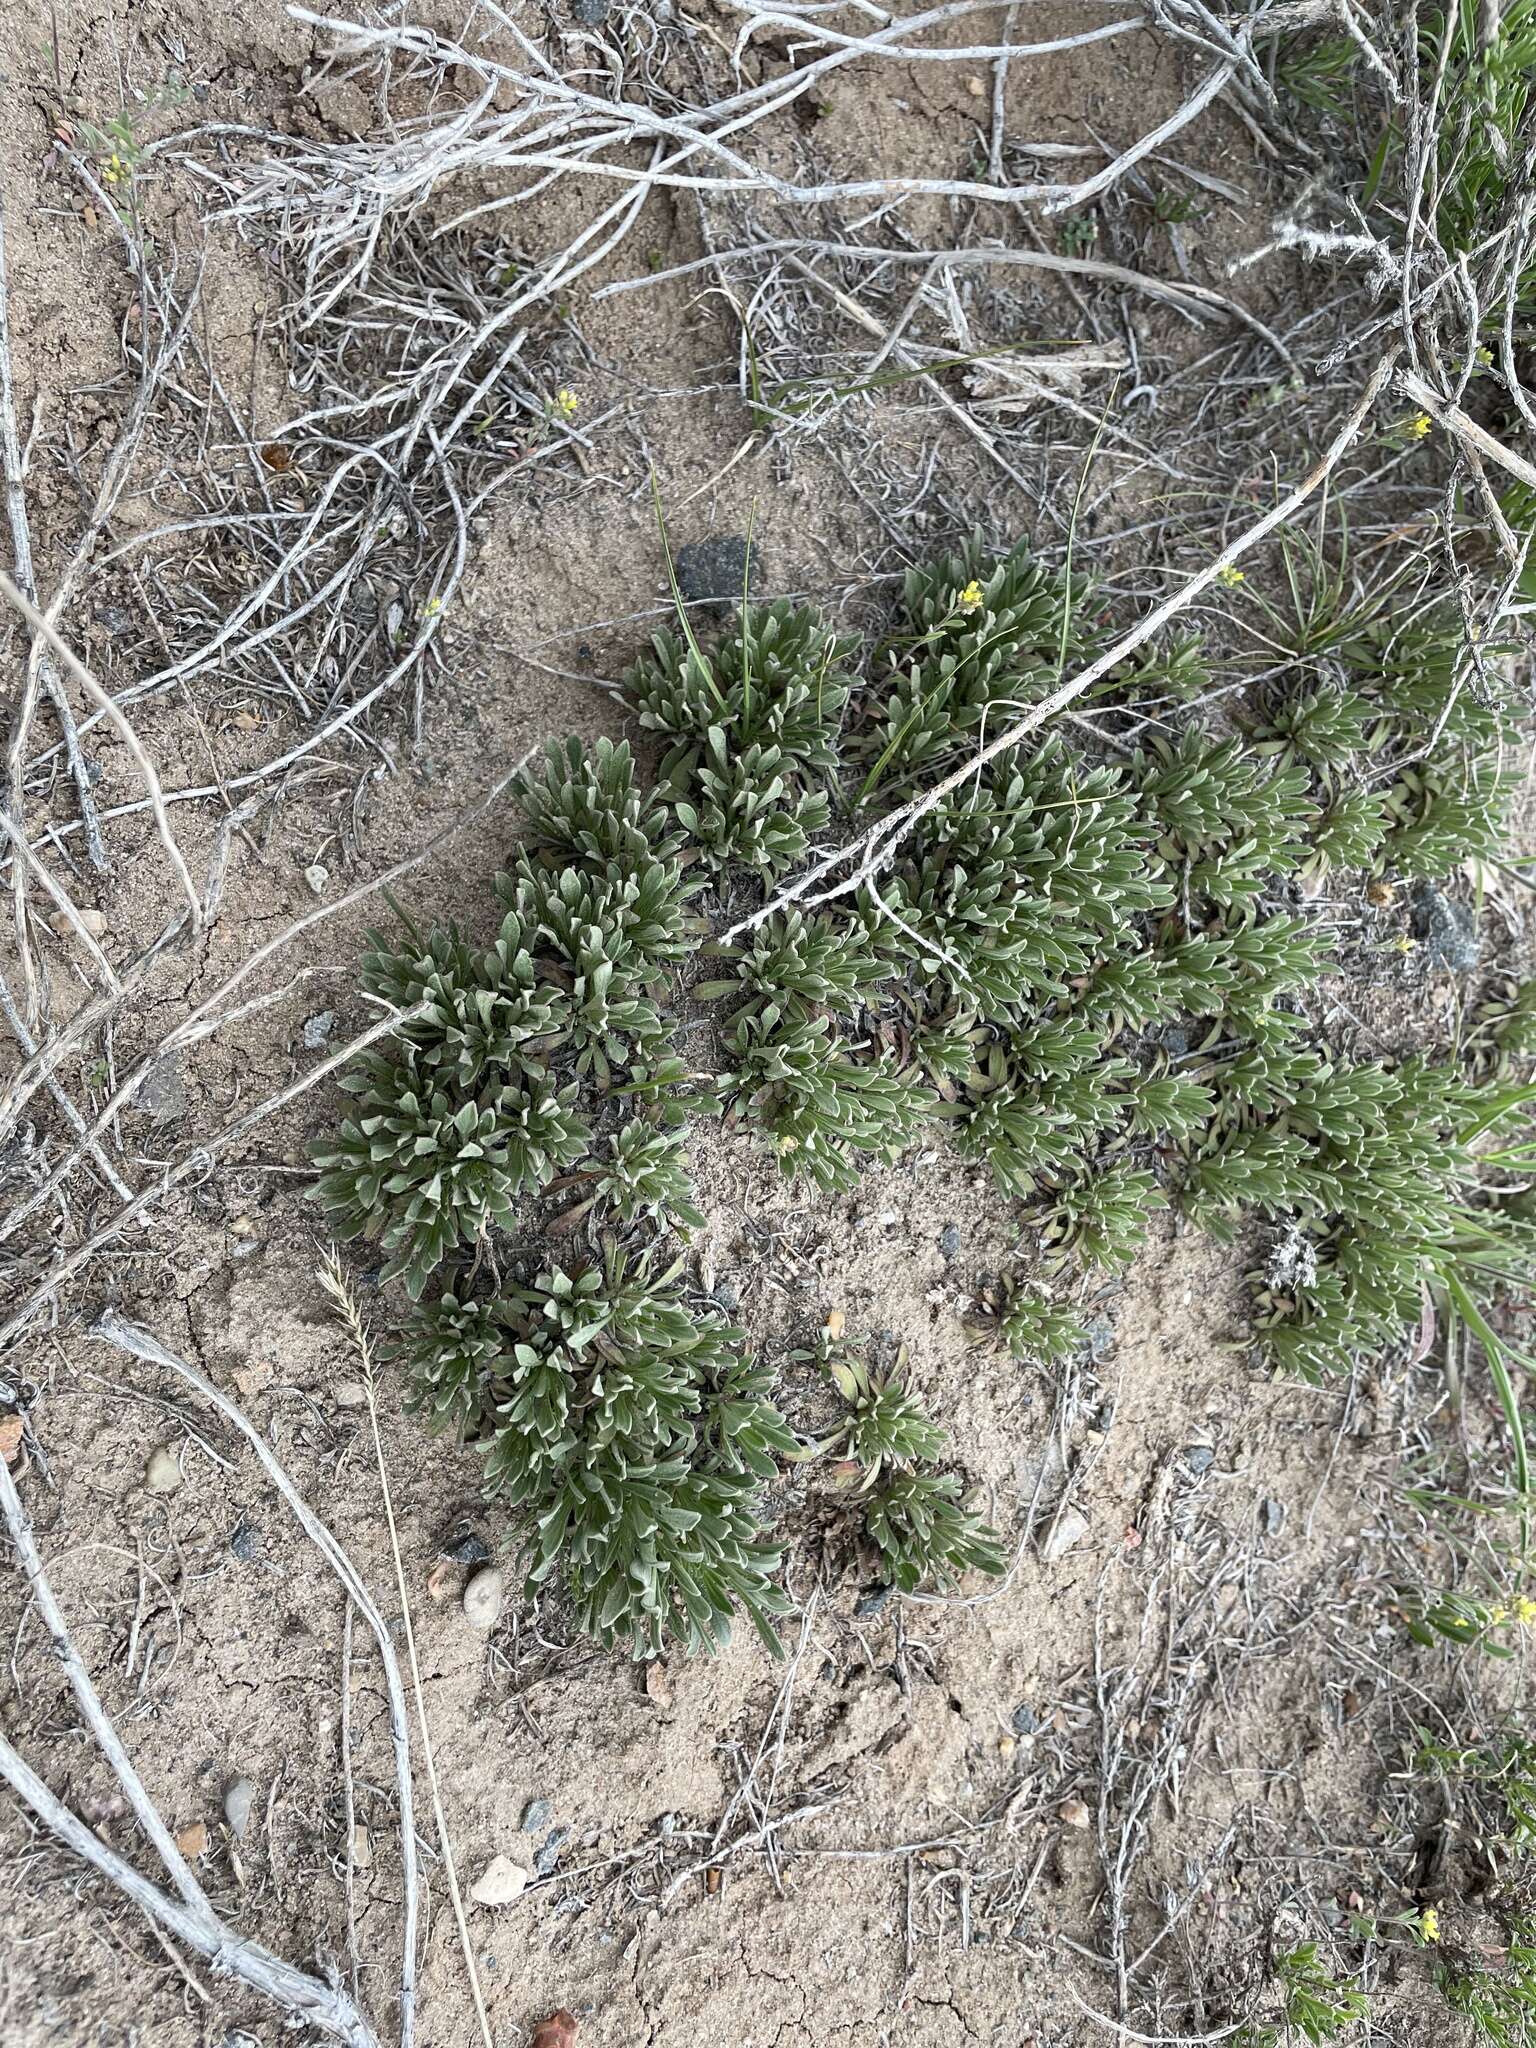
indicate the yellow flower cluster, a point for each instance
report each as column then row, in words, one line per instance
column 1429, row 1924
column 971, row 596
column 1522, row 1611
column 567, row 403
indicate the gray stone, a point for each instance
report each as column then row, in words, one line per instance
column 537, row 1814
column 239, row 1800
column 245, row 1541
column 1273, row 1515
column 468, row 1548
column 949, row 1240
column 589, row 13
column 1447, row 930
column 1199, row 1458
column 871, row 1601
column 483, row 1598
column 317, row 1029
column 162, row 1474
column 1024, row 1722
column 1067, row 1529
column 499, row 1883
column 549, row 1855
column 162, row 1094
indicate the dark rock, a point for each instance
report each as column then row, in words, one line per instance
column 871, row 1601
column 245, row 1541
column 1272, row 1514
column 949, row 1240
column 714, row 571
column 1199, row 1458
column 549, row 1855
column 1024, row 1722
column 1447, row 931
column 536, row 1814
column 113, row 618
column 589, row 13
column 162, row 1093
column 468, row 1548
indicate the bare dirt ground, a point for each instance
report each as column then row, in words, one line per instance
column 982, row 1820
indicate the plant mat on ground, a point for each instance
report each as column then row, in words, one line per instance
column 1092, row 965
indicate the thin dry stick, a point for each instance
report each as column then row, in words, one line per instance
column 873, row 849
column 334, row 1281
column 1193, row 300
column 1196, row 104
column 92, row 1712
column 304, row 1998
column 140, row 1343
column 42, row 667
column 125, row 733
column 1455, row 421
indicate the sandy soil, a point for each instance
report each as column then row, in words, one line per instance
column 941, row 1786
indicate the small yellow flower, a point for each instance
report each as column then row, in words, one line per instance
column 1429, row 1924
column 567, row 402
column 1230, row 577
column 112, row 171
column 1497, row 1616
column 432, row 607
column 1420, row 425
column 1525, row 1610
column 971, row 596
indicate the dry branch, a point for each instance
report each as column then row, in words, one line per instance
column 140, row 1343
column 191, row 1918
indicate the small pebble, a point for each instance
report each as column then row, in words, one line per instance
column 317, row 1029
column 483, row 1599
column 245, row 1541
column 499, row 1883
column 162, row 1474
column 317, row 877
column 1064, row 1532
column 351, row 1394
column 537, row 1814
column 1024, row 1722
column 193, row 1841
column 949, row 1240
column 1199, row 1458
column 91, row 921
column 468, row 1548
column 871, row 1601
column 238, row 1802
column 1273, row 1512
column 549, row 1855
